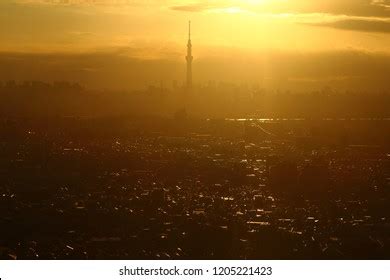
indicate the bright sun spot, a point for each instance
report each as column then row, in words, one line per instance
column 240, row 6
column 229, row 10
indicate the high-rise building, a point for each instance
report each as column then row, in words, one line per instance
column 189, row 58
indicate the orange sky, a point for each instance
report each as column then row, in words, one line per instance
column 159, row 25
column 246, row 30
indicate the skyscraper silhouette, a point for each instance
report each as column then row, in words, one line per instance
column 189, row 58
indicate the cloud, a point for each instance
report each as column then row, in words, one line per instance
column 362, row 25
column 353, row 15
column 366, row 8
column 362, row 8
column 89, row 2
column 194, row 7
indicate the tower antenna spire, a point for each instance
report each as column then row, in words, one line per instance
column 189, row 58
column 189, row 30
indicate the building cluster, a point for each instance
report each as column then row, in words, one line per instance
column 215, row 191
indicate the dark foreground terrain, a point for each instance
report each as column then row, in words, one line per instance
column 79, row 188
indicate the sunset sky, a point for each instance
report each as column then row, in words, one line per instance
column 304, row 41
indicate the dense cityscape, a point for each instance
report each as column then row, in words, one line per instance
column 182, row 188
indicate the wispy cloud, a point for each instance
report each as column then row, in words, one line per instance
column 88, row 2
column 361, row 25
column 193, row 7
column 368, row 8
column 363, row 8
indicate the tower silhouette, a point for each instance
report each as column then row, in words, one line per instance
column 189, row 58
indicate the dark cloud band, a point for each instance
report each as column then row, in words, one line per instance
column 377, row 26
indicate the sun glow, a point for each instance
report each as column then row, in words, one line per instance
column 229, row 10
column 235, row 7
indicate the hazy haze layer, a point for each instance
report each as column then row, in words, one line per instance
column 126, row 44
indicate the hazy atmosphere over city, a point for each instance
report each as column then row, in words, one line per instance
column 128, row 44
